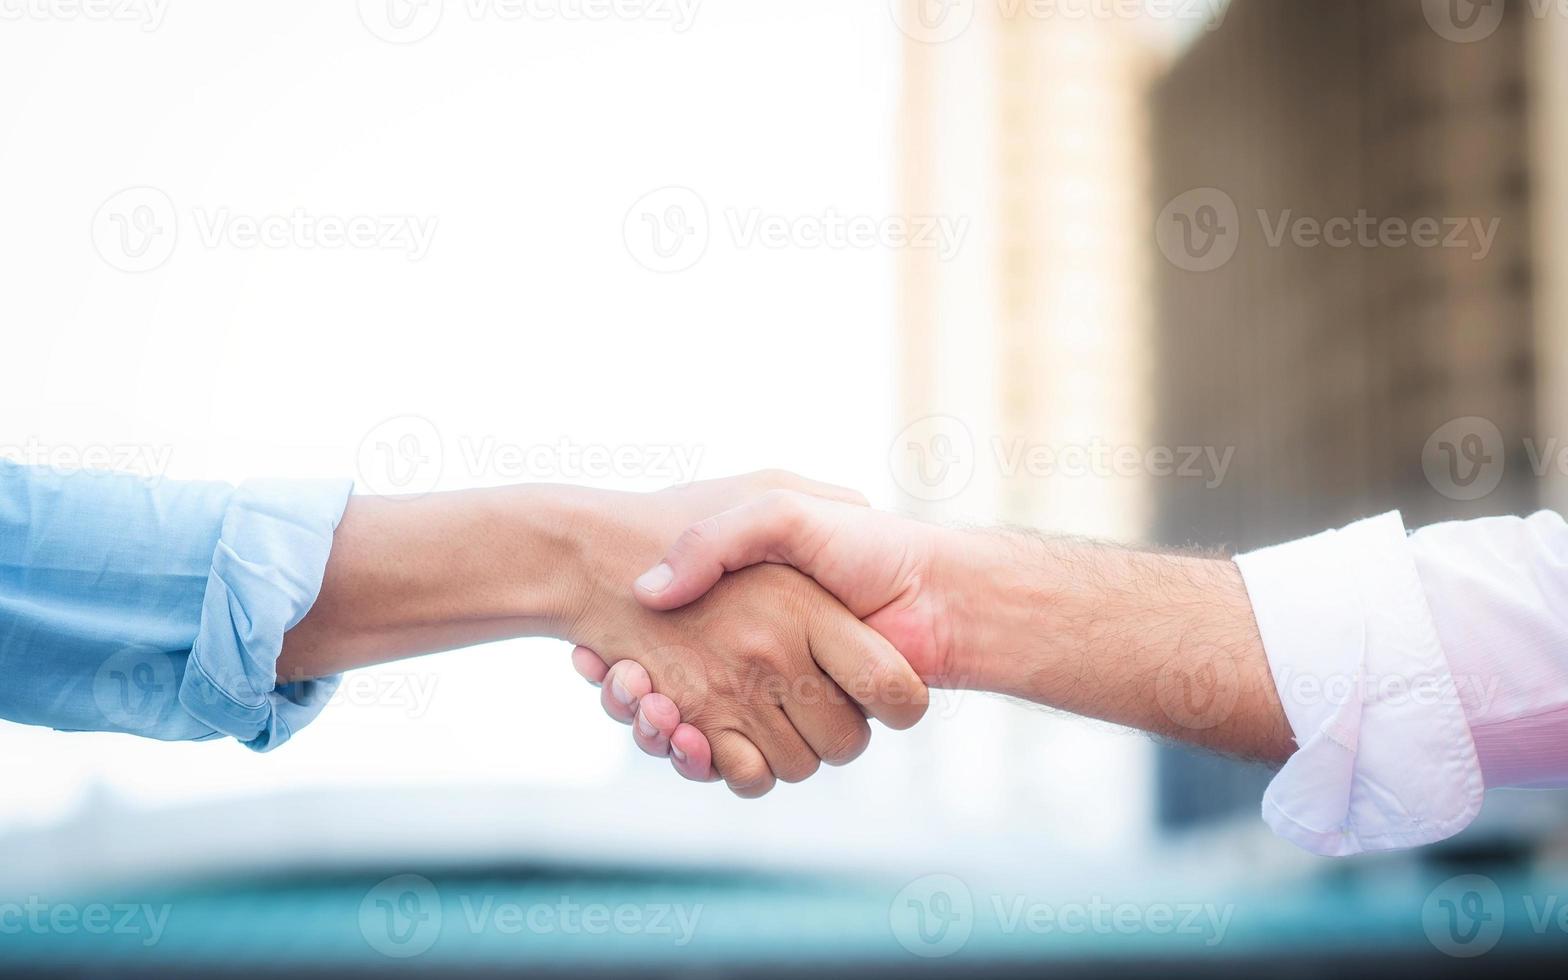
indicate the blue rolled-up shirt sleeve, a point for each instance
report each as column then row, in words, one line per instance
column 159, row 608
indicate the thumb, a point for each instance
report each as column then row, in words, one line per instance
column 778, row 527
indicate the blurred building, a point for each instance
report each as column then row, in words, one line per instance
column 1032, row 124
column 1338, row 380
column 1337, row 373
column 1036, row 126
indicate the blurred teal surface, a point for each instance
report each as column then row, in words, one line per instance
column 535, row 916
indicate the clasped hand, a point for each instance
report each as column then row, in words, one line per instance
column 738, row 668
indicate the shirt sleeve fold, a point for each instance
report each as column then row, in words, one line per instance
column 266, row 574
column 1385, row 757
column 158, row 607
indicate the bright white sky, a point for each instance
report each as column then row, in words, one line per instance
column 529, row 320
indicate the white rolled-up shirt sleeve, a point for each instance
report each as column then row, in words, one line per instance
column 1416, row 671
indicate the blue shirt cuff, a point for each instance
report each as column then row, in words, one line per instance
column 266, row 574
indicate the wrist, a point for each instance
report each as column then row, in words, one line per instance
column 410, row 576
column 592, row 545
column 557, row 541
column 1002, row 589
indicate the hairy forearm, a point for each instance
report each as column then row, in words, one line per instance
column 1163, row 643
column 413, row 576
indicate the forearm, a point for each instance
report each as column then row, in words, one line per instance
column 1162, row 643
column 413, row 576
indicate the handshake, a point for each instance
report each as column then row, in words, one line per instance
column 761, row 672
column 748, row 628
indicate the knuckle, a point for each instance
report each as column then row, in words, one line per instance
column 749, row 779
column 628, row 672
column 799, row 767
column 847, row 745
column 654, row 745
column 775, row 478
column 759, row 647
column 698, row 537
column 786, row 509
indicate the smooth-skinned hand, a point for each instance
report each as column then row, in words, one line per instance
column 761, row 677
column 883, row 568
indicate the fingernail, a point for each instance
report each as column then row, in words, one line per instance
column 656, row 579
column 677, row 755
column 619, row 692
column 645, row 728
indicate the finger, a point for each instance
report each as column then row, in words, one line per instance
column 741, row 764
column 787, row 753
column 657, row 719
column 691, row 754
column 588, row 664
column 625, row 685
column 779, row 527
column 868, row 669
column 830, row 722
column 816, row 488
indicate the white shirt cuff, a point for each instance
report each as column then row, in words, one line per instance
column 1385, row 757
